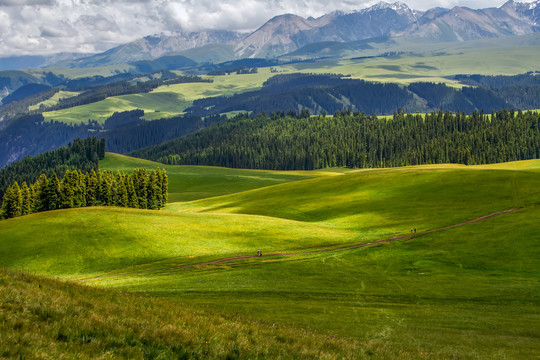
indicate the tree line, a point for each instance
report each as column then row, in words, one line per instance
column 79, row 154
column 356, row 140
column 141, row 190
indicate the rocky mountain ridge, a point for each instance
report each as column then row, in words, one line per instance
column 286, row 33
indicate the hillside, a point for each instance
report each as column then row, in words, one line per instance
column 468, row 292
column 48, row 318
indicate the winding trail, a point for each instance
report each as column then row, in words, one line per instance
column 229, row 259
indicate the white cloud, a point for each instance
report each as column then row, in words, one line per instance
column 45, row 26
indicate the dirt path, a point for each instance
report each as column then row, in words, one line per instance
column 219, row 261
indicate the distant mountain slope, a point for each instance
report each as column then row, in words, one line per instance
column 151, row 47
column 287, row 33
column 462, row 24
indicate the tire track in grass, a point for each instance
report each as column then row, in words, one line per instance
column 352, row 246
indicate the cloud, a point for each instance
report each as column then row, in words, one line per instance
column 25, row 2
column 48, row 26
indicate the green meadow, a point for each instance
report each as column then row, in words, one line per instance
column 55, row 99
column 197, row 182
column 468, row 292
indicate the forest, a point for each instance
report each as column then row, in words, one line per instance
column 78, row 155
column 141, row 190
column 327, row 93
column 302, row 142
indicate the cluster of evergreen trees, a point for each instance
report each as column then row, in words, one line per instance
column 142, row 189
column 80, row 154
column 356, row 140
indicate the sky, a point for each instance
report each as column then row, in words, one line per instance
column 51, row 26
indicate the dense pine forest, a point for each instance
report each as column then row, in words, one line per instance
column 303, row 142
column 80, row 155
column 327, row 93
column 140, row 190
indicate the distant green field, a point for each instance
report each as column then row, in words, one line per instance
column 466, row 292
column 55, row 99
column 165, row 101
column 76, row 73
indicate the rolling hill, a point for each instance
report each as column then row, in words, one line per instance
column 469, row 291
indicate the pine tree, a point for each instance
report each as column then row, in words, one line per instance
column 67, row 191
column 12, row 203
column 165, row 187
column 26, row 199
column 140, row 181
column 41, row 199
column 133, row 200
column 53, row 193
column 105, row 189
column 92, row 189
column 121, row 195
column 33, row 199
column 153, row 191
column 80, row 190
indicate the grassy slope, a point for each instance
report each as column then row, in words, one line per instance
column 55, row 99
column 469, row 292
column 433, row 67
column 188, row 183
column 48, row 319
column 388, row 201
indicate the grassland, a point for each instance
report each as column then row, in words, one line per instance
column 55, row 99
column 466, row 292
column 165, row 101
column 49, row 319
column 188, row 183
column 435, row 66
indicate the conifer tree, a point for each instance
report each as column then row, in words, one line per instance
column 121, row 195
column 140, row 181
column 105, row 189
column 67, row 191
column 26, row 199
column 164, row 187
column 133, row 200
column 153, row 191
column 92, row 187
column 53, row 193
column 80, row 190
column 41, row 199
column 32, row 199
column 12, row 203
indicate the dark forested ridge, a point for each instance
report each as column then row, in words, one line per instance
column 80, row 155
column 356, row 140
column 333, row 92
column 124, row 132
column 141, row 190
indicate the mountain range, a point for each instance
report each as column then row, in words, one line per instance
column 287, row 33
